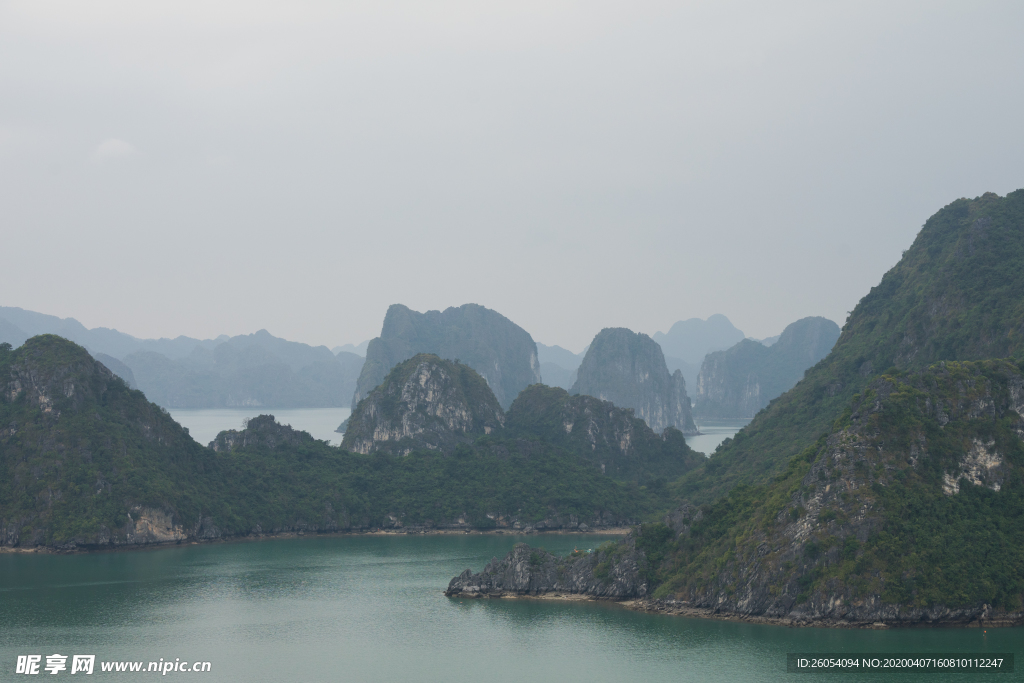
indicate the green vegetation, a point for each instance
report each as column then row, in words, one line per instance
column 598, row 432
column 495, row 480
column 892, row 453
column 957, row 294
column 82, row 456
column 78, row 448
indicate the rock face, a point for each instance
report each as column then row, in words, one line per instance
column 424, row 402
column 501, row 351
column 740, row 381
column 609, row 572
column 613, row 438
column 629, row 370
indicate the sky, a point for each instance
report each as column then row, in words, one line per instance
column 207, row 168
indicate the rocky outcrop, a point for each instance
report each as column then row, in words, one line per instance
column 629, row 370
column 740, row 381
column 498, row 349
column 613, row 438
column 262, row 431
column 424, row 403
column 613, row 571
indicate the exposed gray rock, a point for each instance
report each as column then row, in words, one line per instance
column 424, row 402
column 629, row 370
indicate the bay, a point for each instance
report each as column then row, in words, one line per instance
column 371, row 608
column 204, row 425
column 714, row 432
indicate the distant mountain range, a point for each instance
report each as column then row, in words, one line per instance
column 255, row 370
column 688, row 341
column 741, row 380
column 261, row 370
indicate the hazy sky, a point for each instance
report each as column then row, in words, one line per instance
column 218, row 167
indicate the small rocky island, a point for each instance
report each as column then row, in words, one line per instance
column 612, row 572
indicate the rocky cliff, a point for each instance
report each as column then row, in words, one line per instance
column 613, row 571
column 424, row 403
column 612, row 438
column 740, row 381
column 906, row 513
column 629, row 370
column 501, row 351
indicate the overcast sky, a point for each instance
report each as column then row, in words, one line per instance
column 207, row 167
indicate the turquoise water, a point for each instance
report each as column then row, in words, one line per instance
column 370, row 608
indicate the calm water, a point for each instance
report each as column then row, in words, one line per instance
column 714, row 432
column 370, row 608
column 205, row 425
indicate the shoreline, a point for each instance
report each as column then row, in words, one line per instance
column 658, row 607
column 251, row 538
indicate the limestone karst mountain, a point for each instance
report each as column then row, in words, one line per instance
column 888, row 484
column 740, row 381
column 503, row 353
column 688, row 341
column 430, row 404
column 424, row 403
column 86, row 462
column 629, row 370
column 598, row 431
column 956, row 294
